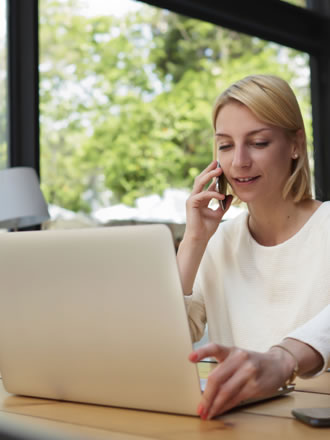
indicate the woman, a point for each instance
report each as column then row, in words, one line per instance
column 256, row 278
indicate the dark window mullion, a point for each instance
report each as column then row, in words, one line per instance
column 23, row 83
column 273, row 20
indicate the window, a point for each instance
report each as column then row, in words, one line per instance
column 3, row 87
column 126, row 96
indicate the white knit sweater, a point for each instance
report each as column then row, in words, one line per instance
column 253, row 296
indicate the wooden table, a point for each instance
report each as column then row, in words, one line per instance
column 268, row 420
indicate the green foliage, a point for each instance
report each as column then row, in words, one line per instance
column 126, row 103
column 3, row 155
column 301, row 3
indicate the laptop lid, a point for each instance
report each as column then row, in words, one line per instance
column 96, row 316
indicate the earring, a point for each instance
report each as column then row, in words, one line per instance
column 295, row 156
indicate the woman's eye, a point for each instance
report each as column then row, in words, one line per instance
column 224, row 147
column 260, row 144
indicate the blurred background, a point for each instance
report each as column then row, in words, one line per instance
column 126, row 92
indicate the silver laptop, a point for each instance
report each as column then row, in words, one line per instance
column 96, row 316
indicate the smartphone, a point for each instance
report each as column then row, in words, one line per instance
column 317, row 417
column 221, row 187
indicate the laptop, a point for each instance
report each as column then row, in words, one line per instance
column 96, row 316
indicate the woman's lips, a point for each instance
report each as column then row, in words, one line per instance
column 245, row 180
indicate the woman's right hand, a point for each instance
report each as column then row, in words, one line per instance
column 202, row 221
column 201, row 224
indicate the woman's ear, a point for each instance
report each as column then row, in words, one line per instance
column 298, row 143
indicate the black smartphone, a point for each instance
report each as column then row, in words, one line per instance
column 221, row 187
column 317, row 417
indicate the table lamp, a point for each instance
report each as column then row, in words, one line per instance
column 21, row 201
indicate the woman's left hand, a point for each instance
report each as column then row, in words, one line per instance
column 240, row 375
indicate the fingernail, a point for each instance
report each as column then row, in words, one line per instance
column 200, row 409
column 194, row 357
column 204, row 415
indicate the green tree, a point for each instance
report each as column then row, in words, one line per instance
column 88, row 66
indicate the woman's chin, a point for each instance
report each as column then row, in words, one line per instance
column 245, row 198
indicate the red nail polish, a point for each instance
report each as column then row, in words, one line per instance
column 194, row 357
column 204, row 415
column 200, row 409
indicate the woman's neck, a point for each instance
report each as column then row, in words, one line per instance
column 272, row 224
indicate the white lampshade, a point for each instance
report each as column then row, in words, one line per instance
column 21, row 201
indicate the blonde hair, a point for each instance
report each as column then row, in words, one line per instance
column 273, row 102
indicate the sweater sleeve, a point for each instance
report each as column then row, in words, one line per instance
column 196, row 314
column 316, row 333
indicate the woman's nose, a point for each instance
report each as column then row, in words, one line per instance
column 241, row 157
